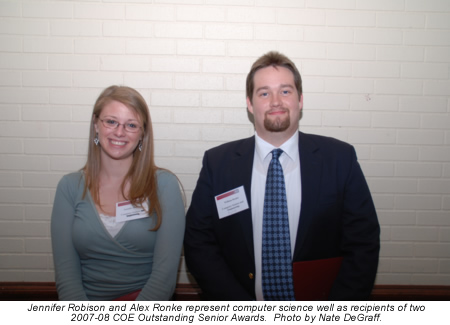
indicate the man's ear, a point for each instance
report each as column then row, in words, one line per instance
column 249, row 105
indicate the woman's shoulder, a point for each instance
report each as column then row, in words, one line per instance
column 73, row 179
column 165, row 176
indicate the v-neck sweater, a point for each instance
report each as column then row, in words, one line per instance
column 90, row 264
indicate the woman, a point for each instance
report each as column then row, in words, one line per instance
column 117, row 224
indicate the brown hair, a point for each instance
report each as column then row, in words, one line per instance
column 142, row 172
column 274, row 59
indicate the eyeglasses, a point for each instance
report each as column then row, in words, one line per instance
column 113, row 124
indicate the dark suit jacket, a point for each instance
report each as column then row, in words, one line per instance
column 337, row 218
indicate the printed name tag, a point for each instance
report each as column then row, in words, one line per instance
column 125, row 211
column 231, row 202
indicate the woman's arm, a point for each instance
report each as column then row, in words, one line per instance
column 65, row 257
column 169, row 241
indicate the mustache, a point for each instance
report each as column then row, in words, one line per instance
column 281, row 109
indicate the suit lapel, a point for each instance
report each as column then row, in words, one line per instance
column 241, row 174
column 311, row 165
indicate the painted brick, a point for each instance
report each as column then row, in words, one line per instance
column 149, row 80
column 24, row 27
column 150, row 13
column 127, row 29
column 46, row 79
column 323, row 34
column 431, row 5
column 178, row 30
column 226, row 66
column 400, row 53
column 24, row 95
column 38, row 212
column 375, row 103
column 351, row 52
column 11, row 246
column 99, row 11
column 48, row 45
column 236, row 32
column 11, row 146
column 10, row 179
column 11, row 44
column 16, row 162
column 46, row 113
column 348, row 18
column 396, row 120
column 425, row 70
column 427, row 38
column 423, row 104
column 99, row 46
column 202, row 116
column 97, row 80
column 167, row 64
column 375, row 74
column 75, row 28
column 198, row 82
column 414, row 265
column 23, row 196
column 228, row 100
column 399, row 87
column 415, row 169
column 251, row 15
column 211, row 14
column 73, row 62
column 433, row 218
column 48, row 10
column 284, row 33
column 416, row 234
column 10, row 9
column 395, row 153
column 41, row 245
column 391, row 5
column 400, row 20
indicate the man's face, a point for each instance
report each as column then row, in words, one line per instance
column 276, row 105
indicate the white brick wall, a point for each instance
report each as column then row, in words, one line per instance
column 376, row 74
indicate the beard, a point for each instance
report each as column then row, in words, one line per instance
column 278, row 124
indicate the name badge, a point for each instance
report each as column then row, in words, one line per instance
column 231, row 202
column 125, row 211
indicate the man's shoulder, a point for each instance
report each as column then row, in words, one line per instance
column 232, row 146
column 323, row 142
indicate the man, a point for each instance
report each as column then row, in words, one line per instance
column 330, row 209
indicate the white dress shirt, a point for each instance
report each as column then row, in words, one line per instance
column 290, row 162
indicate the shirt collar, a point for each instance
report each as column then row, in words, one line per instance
column 290, row 147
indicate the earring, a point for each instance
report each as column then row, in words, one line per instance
column 140, row 145
column 96, row 140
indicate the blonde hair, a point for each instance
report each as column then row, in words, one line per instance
column 142, row 172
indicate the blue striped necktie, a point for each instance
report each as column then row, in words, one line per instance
column 277, row 280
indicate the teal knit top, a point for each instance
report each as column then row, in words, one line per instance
column 90, row 264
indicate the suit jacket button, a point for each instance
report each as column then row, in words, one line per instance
column 251, row 276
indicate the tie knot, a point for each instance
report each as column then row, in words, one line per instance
column 276, row 153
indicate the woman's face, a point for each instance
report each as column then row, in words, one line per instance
column 113, row 127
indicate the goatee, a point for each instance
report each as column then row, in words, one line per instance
column 278, row 124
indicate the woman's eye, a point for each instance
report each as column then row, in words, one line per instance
column 132, row 126
column 111, row 122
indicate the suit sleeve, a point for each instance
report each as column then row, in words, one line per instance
column 360, row 239
column 203, row 252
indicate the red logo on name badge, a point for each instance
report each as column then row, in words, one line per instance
column 224, row 195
